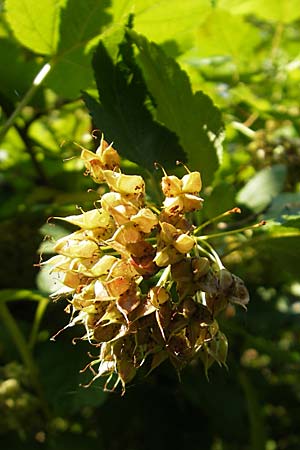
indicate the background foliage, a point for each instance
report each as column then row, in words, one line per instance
column 164, row 80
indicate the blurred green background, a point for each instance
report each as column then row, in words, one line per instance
column 219, row 89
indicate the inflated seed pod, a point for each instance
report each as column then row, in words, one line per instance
column 171, row 186
column 191, row 183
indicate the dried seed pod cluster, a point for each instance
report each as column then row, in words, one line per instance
column 139, row 280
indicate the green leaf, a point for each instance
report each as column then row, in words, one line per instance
column 227, row 35
column 193, row 117
column 62, row 387
column 164, row 20
column 14, row 62
column 258, row 193
column 81, row 22
column 122, row 113
column 279, row 10
column 35, row 24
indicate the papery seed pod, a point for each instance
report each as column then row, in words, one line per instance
column 112, row 315
column 126, row 372
column 183, row 275
column 101, row 268
column 145, row 219
column 239, row 293
column 225, row 279
column 76, row 248
column 168, row 255
column 191, row 203
column 218, row 348
column 206, row 358
column 108, row 155
column 128, row 301
column 191, row 183
column 200, row 267
column 171, row 186
column 179, row 351
column 173, row 205
column 184, row 243
column 125, row 184
column 119, row 207
column 158, row 295
column 117, row 286
column 168, row 233
column 106, row 333
column 101, row 292
column 216, row 302
column 94, row 165
column 123, row 268
column 127, row 234
column 178, row 221
column 88, row 220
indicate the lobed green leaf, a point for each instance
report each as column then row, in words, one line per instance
column 193, row 117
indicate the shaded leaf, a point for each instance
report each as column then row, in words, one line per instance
column 193, row 117
column 122, row 113
column 80, row 23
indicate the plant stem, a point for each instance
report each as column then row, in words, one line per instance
column 27, row 97
column 25, row 353
column 214, row 254
column 40, row 310
column 215, row 219
column 227, row 233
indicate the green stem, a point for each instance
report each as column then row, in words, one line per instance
column 215, row 219
column 214, row 254
column 227, row 233
column 27, row 97
column 257, row 427
column 39, row 313
column 25, row 353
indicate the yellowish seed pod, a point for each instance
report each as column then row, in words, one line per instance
column 145, row 219
column 158, row 296
column 184, row 243
column 125, row 184
column 191, row 183
column 171, row 186
column 95, row 218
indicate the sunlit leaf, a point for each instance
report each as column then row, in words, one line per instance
column 35, row 24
